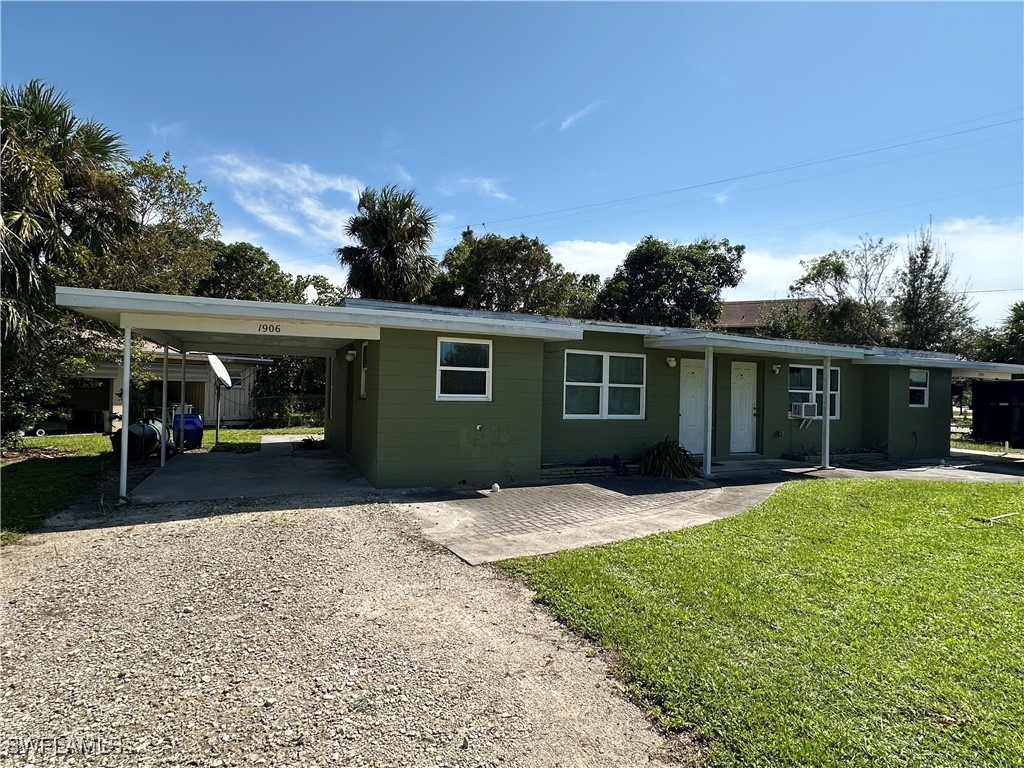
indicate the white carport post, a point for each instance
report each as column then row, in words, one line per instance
column 826, row 421
column 709, row 362
column 126, row 383
column 181, row 405
column 163, row 414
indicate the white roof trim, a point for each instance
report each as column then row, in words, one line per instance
column 752, row 345
column 110, row 305
column 960, row 368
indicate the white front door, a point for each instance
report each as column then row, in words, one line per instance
column 743, row 413
column 692, row 407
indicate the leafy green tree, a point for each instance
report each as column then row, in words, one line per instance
column 65, row 207
column 327, row 294
column 175, row 243
column 245, row 271
column 852, row 286
column 1004, row 344
column 662, row 283
column 510, row 274
column 393, row 232
column 930, row 312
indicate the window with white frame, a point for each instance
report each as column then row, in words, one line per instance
column 918, row 393
column 463, row 369
column 604, row 385
column 807, row 385
column 364, row 365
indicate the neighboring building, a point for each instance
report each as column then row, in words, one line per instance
column 422, row 395
column 98, row 395
column 997, row 410
column 745, row 317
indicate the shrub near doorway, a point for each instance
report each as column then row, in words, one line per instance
column 840, row 623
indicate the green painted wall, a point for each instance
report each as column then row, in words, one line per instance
column 421, row 441
column 919, row 433
column 875, row 404
column 334, row 420
column 401, row 436
column 773, row 410
column 579, row 440
column 364, row 412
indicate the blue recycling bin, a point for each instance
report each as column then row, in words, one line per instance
column 193, row 435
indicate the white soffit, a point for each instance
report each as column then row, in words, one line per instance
column 751, row 345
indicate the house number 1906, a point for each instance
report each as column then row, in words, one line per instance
column 269, row 328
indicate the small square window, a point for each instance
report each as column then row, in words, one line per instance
column 917, row 395
column 463, row 369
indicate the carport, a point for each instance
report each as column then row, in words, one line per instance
column 190, row 324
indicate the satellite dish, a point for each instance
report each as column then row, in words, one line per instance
column 220, row 371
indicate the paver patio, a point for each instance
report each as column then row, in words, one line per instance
column 486, row 526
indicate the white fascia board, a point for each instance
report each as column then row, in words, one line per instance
column 752, row 345
column 960, row 368
column 110, row 305
column 596, row 326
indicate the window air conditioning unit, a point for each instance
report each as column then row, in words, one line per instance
column 803, row 410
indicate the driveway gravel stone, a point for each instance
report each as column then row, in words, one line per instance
column 297, row 631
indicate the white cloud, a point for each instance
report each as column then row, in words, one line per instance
column 239, row 234
column 768, row 275
column 590, row 256
column 290, row 198
column 988, row 255
column 269, row 212
column 396, row 172
column 575, row 117
column 163, row 133
column 482, row 186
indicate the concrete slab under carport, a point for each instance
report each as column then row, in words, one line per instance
column 277, row 469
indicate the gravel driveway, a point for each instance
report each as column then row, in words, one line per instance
column 304, row 633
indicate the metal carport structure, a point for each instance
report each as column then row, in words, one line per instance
column 191, row 324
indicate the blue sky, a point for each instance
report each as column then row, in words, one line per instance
column 503, row 116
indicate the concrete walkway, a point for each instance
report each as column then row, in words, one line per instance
column 485, row 526
column 277, row 469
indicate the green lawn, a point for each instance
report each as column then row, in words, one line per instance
column 244, row 439
column 46, row 477
column 965, row 442
column 840, row 623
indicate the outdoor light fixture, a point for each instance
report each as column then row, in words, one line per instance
column 350, row 355
column 775, row 369
column 671, row 361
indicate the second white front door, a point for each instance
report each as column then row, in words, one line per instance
column 743, row 411
column 692, row 407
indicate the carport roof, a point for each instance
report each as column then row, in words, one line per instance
column 259, row 327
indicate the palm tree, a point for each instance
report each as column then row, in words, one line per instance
column 393, row 232
column 61, row 198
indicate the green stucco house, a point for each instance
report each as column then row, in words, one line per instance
column 422, row 406
column 421, row 395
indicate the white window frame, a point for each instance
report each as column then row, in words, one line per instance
column 912, row 387
column 490, row 367
column 818, row 375
column 364, row 366
column 604, row 387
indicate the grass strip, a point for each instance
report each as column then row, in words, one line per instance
column 840, row 623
